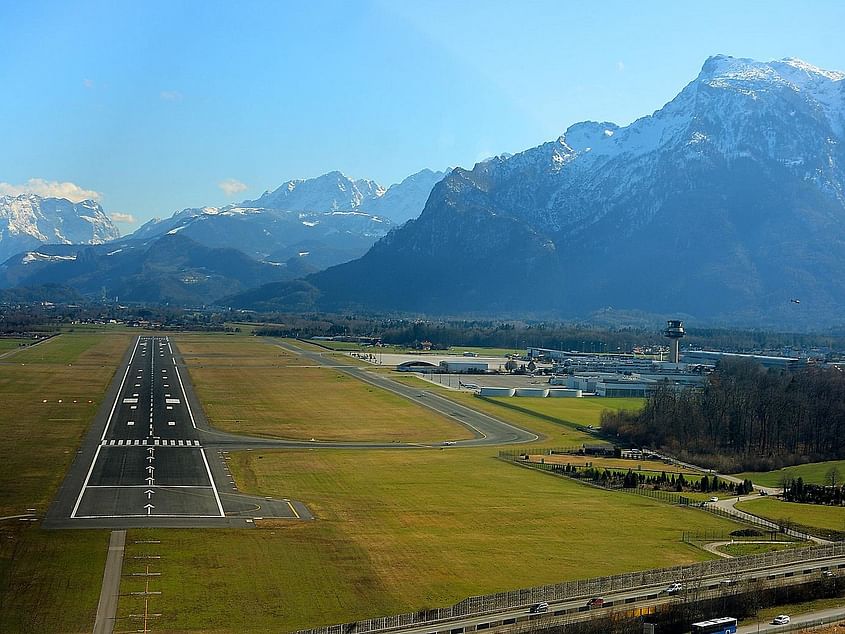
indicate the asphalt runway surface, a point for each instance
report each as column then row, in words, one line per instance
column 144, row 462
column 151, row 458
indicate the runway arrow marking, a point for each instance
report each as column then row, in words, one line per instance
column 150, row 480
column 149, row 508
column 151, row 468
column 149, row 493
column 152, row 450
column 151, row 457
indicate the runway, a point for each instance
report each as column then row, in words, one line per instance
column 145, row 463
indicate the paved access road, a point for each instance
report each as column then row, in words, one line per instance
column 810, row 619
column 487, row 429
column 144, row 463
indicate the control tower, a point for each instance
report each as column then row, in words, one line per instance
column 675, row 332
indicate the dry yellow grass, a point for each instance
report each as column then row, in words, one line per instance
column 253, row 387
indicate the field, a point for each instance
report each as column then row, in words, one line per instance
column 39, row 439
column 49, row 581
column 812, row 473
column 812, row 515
column 7, row 344
column 252, row 387
column 577, row 412
column 402, row 530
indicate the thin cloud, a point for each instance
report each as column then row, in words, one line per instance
column 127, row 219
column 170, row 95
column 620, row 66
column 230, row 186
column 88, row 83
column 50, row 189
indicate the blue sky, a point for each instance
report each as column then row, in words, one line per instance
column 156, row 106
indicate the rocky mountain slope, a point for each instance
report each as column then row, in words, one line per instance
column 165, row 269
column 724, row 204
column 27, row 221
column 325, row 220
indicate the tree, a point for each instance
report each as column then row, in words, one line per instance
column 831, row 478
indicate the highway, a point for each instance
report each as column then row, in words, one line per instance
column 144, row 462
column 575, row 608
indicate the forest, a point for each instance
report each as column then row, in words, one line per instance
column 744, row 418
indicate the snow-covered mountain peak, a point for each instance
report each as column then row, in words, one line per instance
column 28, row 220
column 587, row 134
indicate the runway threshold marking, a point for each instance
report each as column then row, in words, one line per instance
column 293, row 510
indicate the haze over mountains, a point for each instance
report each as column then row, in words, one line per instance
column 301, row 227
column 723, row 205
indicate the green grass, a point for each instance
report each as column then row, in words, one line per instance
column 825, row 518
column 7, row 344
column 49, row 580
column 793, row 609
column 570, row 411
column 38, row 440
column 252, row 387
column 812, row 473
column 402, row 530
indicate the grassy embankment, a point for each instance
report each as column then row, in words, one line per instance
column 395, row 530
column 824, row 518
column 49, row 580
column 812, row 473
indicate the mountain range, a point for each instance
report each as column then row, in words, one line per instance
column 301, row 227
column 27, row 221
column 725, row 204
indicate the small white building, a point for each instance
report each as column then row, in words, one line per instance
column 463, row 366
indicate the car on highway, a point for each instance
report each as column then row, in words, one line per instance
column 537, row 608
column 828, row 573
column 596, row 602
column 714, row 499
column 780, row 619
column 674, row 588
column 448, row 442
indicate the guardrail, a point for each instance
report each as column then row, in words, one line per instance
column 476, row 606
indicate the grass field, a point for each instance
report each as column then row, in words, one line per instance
column 7, row 344
column 569, row 411
column 812, row 473
column 812, row 515
column 37, row 439
column 402, row 530
column 49, row 580
column 252, row 387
